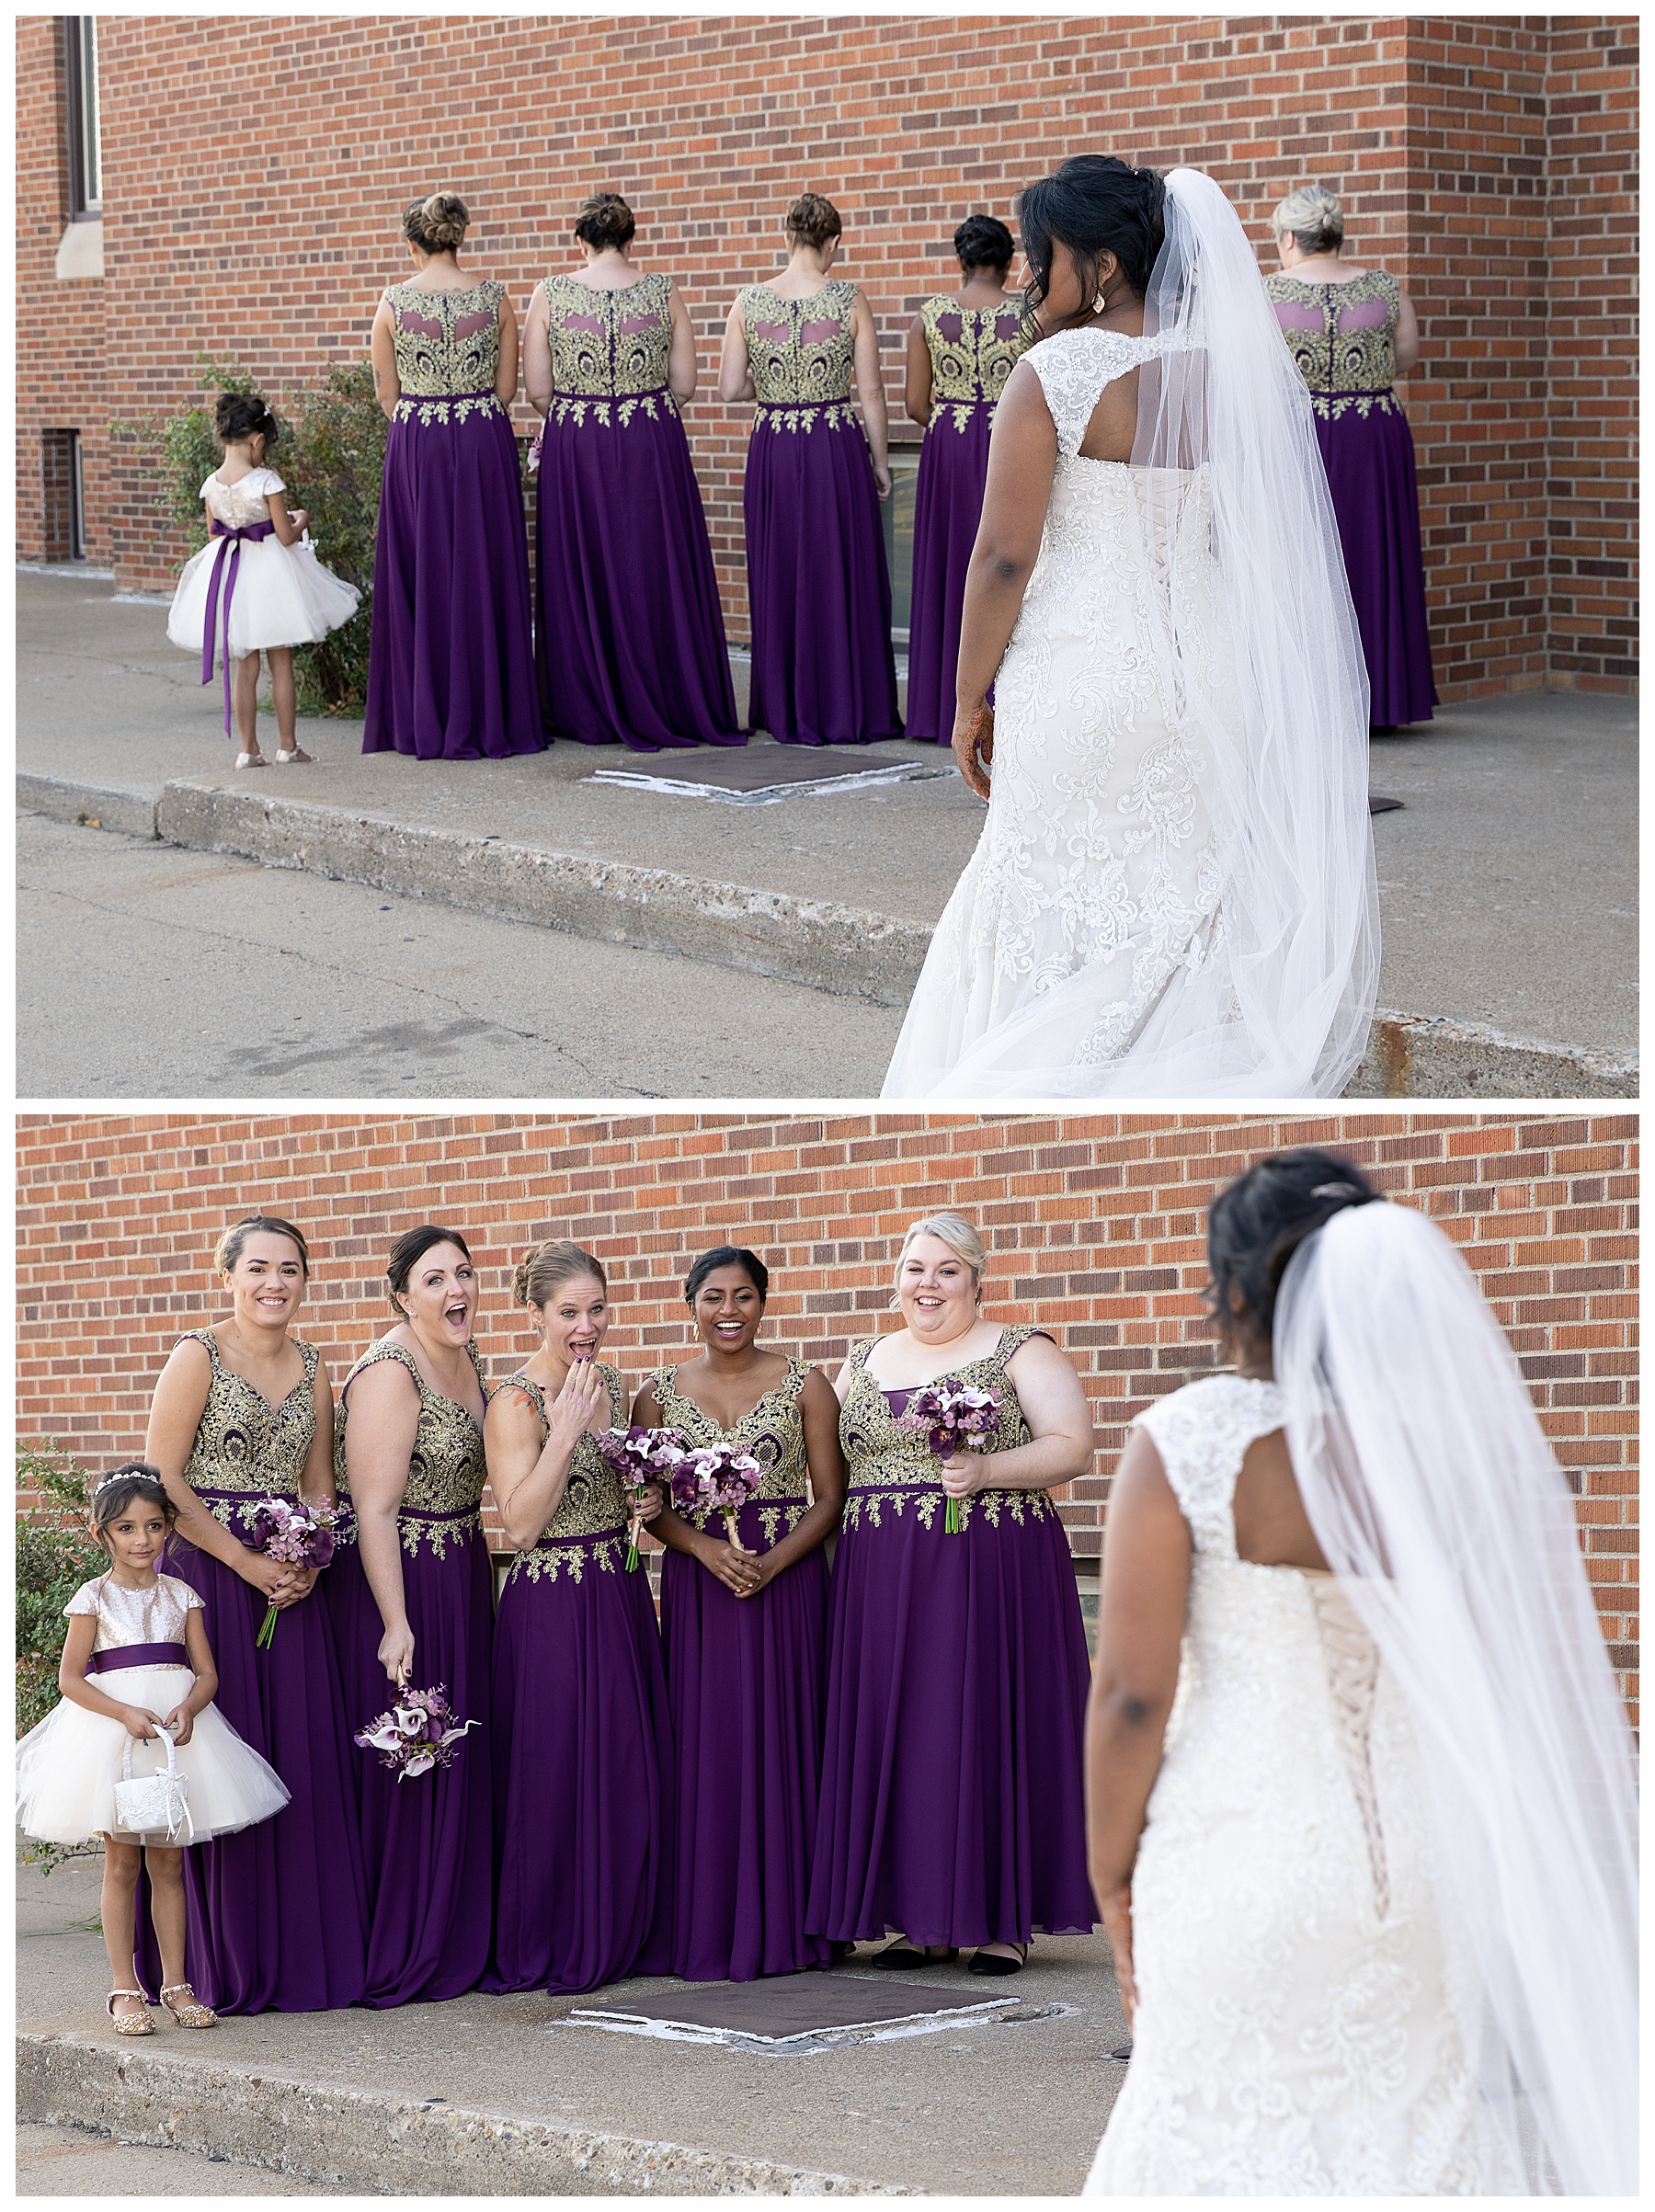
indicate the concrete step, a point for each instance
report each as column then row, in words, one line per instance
column 846, row 950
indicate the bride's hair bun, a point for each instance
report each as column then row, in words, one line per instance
column 1315, row 218
column 1258, row 1222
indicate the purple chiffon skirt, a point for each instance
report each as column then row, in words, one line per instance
column 1370, row 465
column 948, row 506
column 630, row 644
column 746, row 1678
column 426, row 1844
column 450, row 661
column 582, row 1783
column 957, row 1680
column 818, row 586
column 249, row 1945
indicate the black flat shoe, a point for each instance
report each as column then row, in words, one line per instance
column 906, row 1957
column 991, row 1962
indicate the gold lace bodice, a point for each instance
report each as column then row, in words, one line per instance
column 973, row 351
column 1343, row 337
column 890, row 1468
column 447, row 342
column 608, row 345
column 589, row 1525
column 244, row 1448
column 442, row 1500
column 800, row 351
column 773, row 1433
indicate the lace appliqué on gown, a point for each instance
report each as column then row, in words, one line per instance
column 1300, row 1996
column 609, row 349
column 802, row 356
column 1342, row 339
column 448, row 351
column 973, row 351
column 245, row 1449
column 588, row 1527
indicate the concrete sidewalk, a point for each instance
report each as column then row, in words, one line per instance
column 507, row 2096
column 1508, row 881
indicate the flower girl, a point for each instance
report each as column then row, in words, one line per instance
column 254, row 586
column 140, row 1633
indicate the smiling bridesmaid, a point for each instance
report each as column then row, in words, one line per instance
column 745, row 1629
column 411, row 1601
column 243, row 1411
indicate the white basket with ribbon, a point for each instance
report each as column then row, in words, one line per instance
column 157, row 1804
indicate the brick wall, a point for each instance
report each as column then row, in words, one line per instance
column 1449, row 139
column 1095, row 1225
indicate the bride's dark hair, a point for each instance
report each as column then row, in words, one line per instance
column 1255, row 1227
column 1095, row 204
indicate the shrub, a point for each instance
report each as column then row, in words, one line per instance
column 331, row 455
column 56, row 1554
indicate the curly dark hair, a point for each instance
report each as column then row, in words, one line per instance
column 244, row 415
column 604, row 219
column 1094, row 205
column 1258, row 1222
column 984, row 242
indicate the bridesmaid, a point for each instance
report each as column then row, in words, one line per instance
column 957, row 1674
column 631, row 639
column 818, row 589
column 451, row 664
column 583, row 1745
column 746, row 1635
column 1349, row 330
column 962, row 346
column 411, row 1599
column 244, row 1410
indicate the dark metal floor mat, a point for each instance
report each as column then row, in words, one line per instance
column 786, row 2007
column 762, row 772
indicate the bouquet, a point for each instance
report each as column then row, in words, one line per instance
column 953, row 1418
column 296, row 1533
column 418, row 1733
column 716, row 1480
column 639, row 1456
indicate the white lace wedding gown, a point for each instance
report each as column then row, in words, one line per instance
column 1299, row 2027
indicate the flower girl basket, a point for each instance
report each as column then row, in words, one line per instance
column 156, row 1803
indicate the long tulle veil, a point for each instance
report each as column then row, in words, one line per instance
column 1431, row 1487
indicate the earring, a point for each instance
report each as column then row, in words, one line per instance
column 1099, row 304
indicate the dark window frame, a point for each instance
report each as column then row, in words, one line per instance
column 80, row 119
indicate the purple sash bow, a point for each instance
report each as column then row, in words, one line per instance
column 229, row 553
column 139, row 1654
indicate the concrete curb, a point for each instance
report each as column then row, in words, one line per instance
column 848, row 951
column 373, row 2145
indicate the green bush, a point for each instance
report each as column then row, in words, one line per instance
column 55, row 1555
column 331, row 455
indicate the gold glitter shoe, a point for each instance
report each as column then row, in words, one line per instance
column 187, row 2008
column 139, row 2022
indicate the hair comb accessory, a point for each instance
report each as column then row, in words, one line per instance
column 121, row 1474
column 1347, row 1192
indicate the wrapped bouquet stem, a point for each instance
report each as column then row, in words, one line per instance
column 298, row 1534
column 716, row 1480
column 639, row 1456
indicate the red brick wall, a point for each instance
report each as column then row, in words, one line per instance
column 1095, row 1225
column 270, row 240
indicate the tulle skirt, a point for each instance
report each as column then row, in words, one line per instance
column 283, row 597
column 67, row 1767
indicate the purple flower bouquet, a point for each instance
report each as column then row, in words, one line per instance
column 418, row 1733
column 639, row 1456
column 716, row 1480
column 297, row 1533
column 953, row 1418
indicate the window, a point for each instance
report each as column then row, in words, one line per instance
column 897, row 515
column 80, row 117
column 63, row 498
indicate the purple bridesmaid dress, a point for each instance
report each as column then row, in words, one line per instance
column 957, row 1680
column 630, row 643
column 818, row 589
column 746, row 1678
column 427, row 1845
column 973, row 351
column 450, row 661
column 583, row 1745
column 248, row 1948
column 1342, row 337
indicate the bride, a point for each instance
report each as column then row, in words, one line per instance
column 1365, row 1850
column 1174, row 892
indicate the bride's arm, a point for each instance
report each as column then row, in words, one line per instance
column 1023, row 459
column 1141, row 1623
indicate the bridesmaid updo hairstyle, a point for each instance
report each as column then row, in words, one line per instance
column 984, row 242
column 543, row 1269
column 228, row 1249
column 1255, row 1227
column 114, row 1493
column 244, row 415
column 812, row 221
column 409, row 1250
column 727, row 1255
column 1315, row 219
column 438, row 223
column 1094, row 205
column 960, row 1238
column 604, row 221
